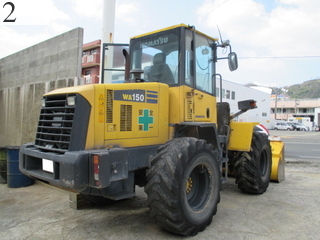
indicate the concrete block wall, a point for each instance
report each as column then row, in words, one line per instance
column 26, row 75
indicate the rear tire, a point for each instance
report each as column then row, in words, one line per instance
column 184, row 186
column 253, row 169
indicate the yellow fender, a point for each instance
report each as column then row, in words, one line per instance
column 277, row 168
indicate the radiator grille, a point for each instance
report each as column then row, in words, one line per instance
column 55, row 124
column 126, row 118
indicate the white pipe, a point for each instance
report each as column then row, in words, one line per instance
column 108, row 19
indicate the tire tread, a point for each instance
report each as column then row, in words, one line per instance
column 163, row 187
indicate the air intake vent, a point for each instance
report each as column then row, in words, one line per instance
column 189, row 110
column 126, row 118
column 109, row 109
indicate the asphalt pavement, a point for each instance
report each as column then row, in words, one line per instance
column 288, row 210
column 300, row 145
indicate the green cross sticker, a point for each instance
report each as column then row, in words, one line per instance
column 145, row 120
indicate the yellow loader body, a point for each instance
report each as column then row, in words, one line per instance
column 277, row 169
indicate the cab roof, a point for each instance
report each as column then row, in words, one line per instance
column 173, row 27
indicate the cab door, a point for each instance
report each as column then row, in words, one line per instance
column 204, row 102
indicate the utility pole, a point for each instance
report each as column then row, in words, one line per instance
column 107, row 36
column 275, row 107
column 297, row 103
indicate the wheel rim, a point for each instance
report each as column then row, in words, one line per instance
column 197, row 187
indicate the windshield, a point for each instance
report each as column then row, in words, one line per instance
column 157, row 55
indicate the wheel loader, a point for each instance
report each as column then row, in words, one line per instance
column 162, row 128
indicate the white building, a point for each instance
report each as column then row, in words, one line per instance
column 233, row 93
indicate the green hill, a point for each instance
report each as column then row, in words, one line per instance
column 308, row 89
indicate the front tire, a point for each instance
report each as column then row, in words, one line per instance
column 253, row 169
column 184, row 186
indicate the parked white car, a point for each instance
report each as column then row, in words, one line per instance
column 283, row 126
column 299, row 126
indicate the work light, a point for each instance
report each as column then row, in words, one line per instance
column 71, row 100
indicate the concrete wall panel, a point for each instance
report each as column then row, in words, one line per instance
column 26, row 75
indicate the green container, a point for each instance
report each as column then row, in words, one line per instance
column 3, row 165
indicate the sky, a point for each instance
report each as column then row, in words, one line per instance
column 277, row 41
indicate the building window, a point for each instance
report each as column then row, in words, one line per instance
column 228, row 94
column 233, row 95
column 264, row 114
column 94, row 51
column 87, row 72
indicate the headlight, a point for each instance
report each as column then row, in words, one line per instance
column 71, row 100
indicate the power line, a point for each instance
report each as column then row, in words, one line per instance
column 291, row 57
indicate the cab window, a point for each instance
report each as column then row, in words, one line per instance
column 204, row 64
column 158, row 57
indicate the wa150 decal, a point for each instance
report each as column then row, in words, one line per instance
column 135, row 95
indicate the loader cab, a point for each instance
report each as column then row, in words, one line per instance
column 176, row 56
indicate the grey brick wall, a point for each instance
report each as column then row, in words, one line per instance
column 26, row 75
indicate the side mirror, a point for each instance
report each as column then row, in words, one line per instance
column 233, row 61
